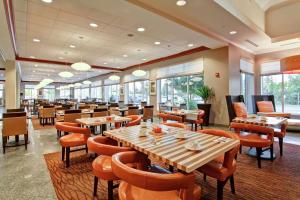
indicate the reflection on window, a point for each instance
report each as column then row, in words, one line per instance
column 272, row 85
column 137, row 91
column 111, row 93
column 180, row 90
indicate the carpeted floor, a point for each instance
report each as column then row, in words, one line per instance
column 37, row 126
column 278, row 180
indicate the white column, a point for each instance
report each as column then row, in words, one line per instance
column 11, row 85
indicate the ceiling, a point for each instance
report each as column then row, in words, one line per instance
column 266, row 4
column 60, row 24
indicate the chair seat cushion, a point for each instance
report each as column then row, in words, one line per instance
column 102, row 168
column 265, row 106
column 216, row 170
column 130, row 192
column 253, row 140
column 72, row 140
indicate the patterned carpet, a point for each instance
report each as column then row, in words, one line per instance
column 37, row 126
column 279, row 180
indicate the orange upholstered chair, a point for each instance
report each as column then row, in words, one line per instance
column 265, row 106
column 105, row 147
column 251, row 135
column 140, row 184
column 60, row 127
column 240, row 109
column 197, row 120
column 135, row 120
column 280, row 134
column 223, row 167
column 166, row 117
column 76, row 137
column 174, row 124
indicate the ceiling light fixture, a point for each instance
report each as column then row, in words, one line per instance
column 77, row 84
column 47, row 1
column 114, row 77
column 31, row 56
column 144, row 59
column 71, row 85
column 140, row 29
column 125, row 56
column 157, row 43
column 72, row 46
column 180, row 2
column 61, row 58
column 139, row 73
column 105, row 63
column 66, row 74
column 190, row 45
column 35, row 65
column 233, row 32
column 36, row 40
column 87, row 82
column 93, row 25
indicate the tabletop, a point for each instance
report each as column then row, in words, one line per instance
column 83, row 111
column 170, row 150
column 96, row 121
column 274, row 114
column 180, row 112
column 261, row 120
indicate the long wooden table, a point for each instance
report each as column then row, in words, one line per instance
column 261, row 121
column 170, row 150
column 97, row 121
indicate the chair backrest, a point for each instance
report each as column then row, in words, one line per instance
column 84, row 107
column 47, row 112
column 133, row 110
column 183, row 106
column 48, row 106
column 16, row 110
column 230, row 99
column 162, row 107
column 143, row 103
column 73, row 128
column 256, row 98
column 149, row 180
column 129, row 104
column 14, row 124
column 72, row 115
column 174, row 124
column 105, row 146
column 230, row 155
column 135, row 120
column 148, row 112
column 112, row 104
column 100, row 112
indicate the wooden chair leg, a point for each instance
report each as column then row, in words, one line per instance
column 201, row 126
column 63, row 153
column 258, row 153
column 241, row 149
column 26, row 140
column 67, row 157
column 204, row 177
column 281, row 146
column 271, row 152
column 86, row 148
column 110, row 188
column 232, row 184
column 220, row 187
column 95, row 185
column 196, row 125
column 4, row 140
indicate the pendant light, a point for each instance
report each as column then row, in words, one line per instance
column 87, row 82
column 139, row 72
column 65, row 74
column 81, row 66
column 114, row 77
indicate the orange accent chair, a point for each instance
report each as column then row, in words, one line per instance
column 177, row 125
column 265, row 106
column 135, row 120
column 280, row 134
column 190, row 118
column 224, row 166
column 251, row 135
column 105, row 147
column 140, row 184
column 166, row 117
column 76, row 136
column 240, row 109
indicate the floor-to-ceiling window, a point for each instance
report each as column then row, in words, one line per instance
column 1, row 94
column 77, row 94
column 291, row 93
column 85, row 93
column 30, row 92
column 49, row 92
column 137, row 91
column 181, row 89
column 96, row 90
column 247, row 81
column 111, row 93
column 64, row 93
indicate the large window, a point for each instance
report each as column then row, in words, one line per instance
column 49, row 92
column 111, row 93
column 291, row 93
column 30, row 92
column 247, row 88
column 137, row 91
column 77, row 94
column 85, row 93
column 178, row 90
column 64, row 93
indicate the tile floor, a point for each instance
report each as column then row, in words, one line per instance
column 24, row 174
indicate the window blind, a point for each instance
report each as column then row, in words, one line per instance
column 246, row 66
column 271, row 67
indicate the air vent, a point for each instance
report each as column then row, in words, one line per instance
column 289, row 44
column 252, row 43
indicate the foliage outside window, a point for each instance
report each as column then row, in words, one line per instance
column 179, row 90
column 137, row 91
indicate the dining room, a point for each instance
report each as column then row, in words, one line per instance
column 149, row 99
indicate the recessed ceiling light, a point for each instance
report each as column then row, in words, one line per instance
column 144, row 58
column 157, row 43
column 33, row 71
column 31, row 56
column 47, row 1
column 190, row 45
column 35, row 65
column 233, row 32
column 105, row 63
column 36, row 40
column 72, row 46
column 125, row 56
column 93, row 25
column 180, row 2
column 140, row 29
column 61, row 58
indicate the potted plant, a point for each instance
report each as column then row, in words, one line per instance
column 206, row 93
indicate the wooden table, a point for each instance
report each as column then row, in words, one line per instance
column 83, row 112
column 123, row 110
column 274, row 114
column 101, row 121
column 181, row 113
column 170, row 150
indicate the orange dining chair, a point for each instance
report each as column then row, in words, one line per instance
column 105, row 147
column 174, row 124
column 280, row 134
column 76, row 137
column 135, row 120
column 195, row 119
column 224, row 166
column 251, row 135
column 167, row 117
column 137, row 183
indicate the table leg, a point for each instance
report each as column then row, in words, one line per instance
column 265, row 155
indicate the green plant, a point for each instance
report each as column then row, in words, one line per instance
column 205, row 92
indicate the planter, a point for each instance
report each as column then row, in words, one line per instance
column 206, row 108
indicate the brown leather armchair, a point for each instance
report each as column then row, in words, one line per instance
column 223, row 167
column 137, row 183
column 251, row 135
column 105, row 147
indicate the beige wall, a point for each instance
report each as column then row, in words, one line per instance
column 10, row 84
